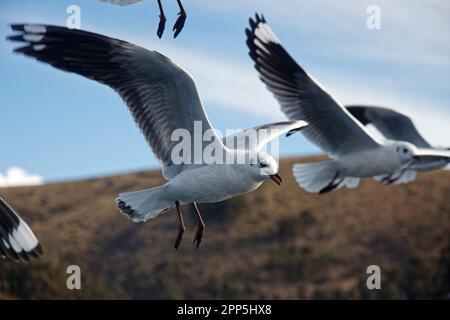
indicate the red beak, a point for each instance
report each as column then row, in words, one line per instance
column 276, row 178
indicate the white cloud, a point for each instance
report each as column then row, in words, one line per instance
column 16, row 176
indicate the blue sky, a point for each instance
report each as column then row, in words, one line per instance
column 62, row 126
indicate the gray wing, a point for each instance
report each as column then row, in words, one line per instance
column 256, row 138
column 17, row 241
column 424, row 154
column 161, row 96
column 393, row 125
column 330, row 127
column 121, row 2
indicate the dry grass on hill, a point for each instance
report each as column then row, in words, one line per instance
column 277, row 242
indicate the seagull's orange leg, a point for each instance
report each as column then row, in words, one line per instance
column 181, row 227
column 201, row 226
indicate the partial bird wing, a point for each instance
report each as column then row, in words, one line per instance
column 331, row 127
column 393, row 125
column 161, row 96
column 256, row 138
column 121, row 2
column 423, row 154
column 17, row 241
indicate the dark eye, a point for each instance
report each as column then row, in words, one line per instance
column 262, row 164
column 405, row 150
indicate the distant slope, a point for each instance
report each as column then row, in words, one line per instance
column 277, row 242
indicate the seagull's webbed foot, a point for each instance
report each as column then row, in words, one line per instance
column 181, row 227
column 334, row 183
column 391, row 178
column 179, row 24
column 201, row 227
column 179, row 237
column 161, row 26
column 199, row 235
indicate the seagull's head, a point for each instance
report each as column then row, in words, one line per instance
column 264, row 167
column 406, row 151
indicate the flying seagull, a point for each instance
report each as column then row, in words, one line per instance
column 178, row 26
column 162, row 98
column 397, row 126
column 17, row 241
column 354, row 152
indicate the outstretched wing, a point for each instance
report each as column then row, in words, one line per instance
column 17, row 241
column 331, row 127
column 161, row 96
column 256, row 138
column 392, row 124
column 428, row 155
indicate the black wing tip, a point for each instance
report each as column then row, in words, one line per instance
column 256, row 20
column 291, row 132
column 125, row 208
column 9, row 220
column 23, row 256
column 21, row 27
column 252, row 24
column 38, row 251
column 14, row 37
column 17, row 26
column 259, row 18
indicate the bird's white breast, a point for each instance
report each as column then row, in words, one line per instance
column 211, row 183
column 368, row 163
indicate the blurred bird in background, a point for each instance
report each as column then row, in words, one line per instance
column 396, row 126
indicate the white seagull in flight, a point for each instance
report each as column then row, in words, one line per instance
column 397, row 126
column 162, row 98
column 354, row 152
column 17, row 241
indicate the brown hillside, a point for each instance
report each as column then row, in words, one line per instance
column 277, row 242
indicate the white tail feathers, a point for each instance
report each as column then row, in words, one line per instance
column 314, row 177
column 407, row 177
column 351, row 182
column 143, row 205
column 321, row 177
